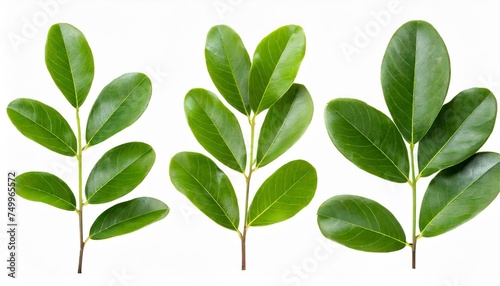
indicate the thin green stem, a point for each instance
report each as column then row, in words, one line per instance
column 79, row 157
column 414, row 207
column 248, row 178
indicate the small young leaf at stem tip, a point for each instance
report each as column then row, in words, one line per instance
column 70, row 62
column 415, row 75
column 128, row 217
column 119, row 105
column 43, row 124
column 275, row 65
column 228, row 64
column 461, row 128
column 361, row 224
column 206, row 186
column 285, row 122
column 119, row 171
column 283, row 194
column 216, row 128
column 46, row 188
column 459, row 193
column 367, row 138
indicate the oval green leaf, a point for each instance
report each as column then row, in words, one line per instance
column 285, row 122
column 118, row 106
column 46, row 188
column 207, row 187
column 43, row 124
column 360, row 223
column 462, row 126
column 215, row 128
column 228, row 64
column 118, row 172
column 128, row 217
column 275, row 65
column 283, row 194
column 415, row 76
column 459, row 193
column 70, row 62
column 368, row 138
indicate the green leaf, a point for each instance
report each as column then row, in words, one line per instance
column 361, row 224
column 415, row 76
column 206, row 186
column 70, row 62
column 43, row 124
column 284, row 124
column 216, row 128
column 118, row 172
column 228, row 64
column 283, row 194
column 46, row 188
column 368, row 138
column 276, row 62
column 459, row 193
column 461, row 128
column 118, row 106
column 128, row 217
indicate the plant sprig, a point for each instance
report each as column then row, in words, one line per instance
column 266, row 83
column 415, row 75
column 70, row 62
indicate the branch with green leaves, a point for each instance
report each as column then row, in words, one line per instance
column 250, row 87
column 70, row 62
column 415, row 76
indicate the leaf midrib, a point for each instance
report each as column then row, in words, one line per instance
column 114, row 111
column 47, row 130
column 274, row 70
column 117, row 173
column 242, row 169
column 393, row 163
column 203, row 187
column 365, row 228
column 279, row 198
column 233, row 75
column 452, row 136
column 101, row 230
column 455, row 198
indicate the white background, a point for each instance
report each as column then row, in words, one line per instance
column 165, row 39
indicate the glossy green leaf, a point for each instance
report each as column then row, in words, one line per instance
column 43, row 124
column 206, row 186
column 128, row 217
column 228, row 64
column 361, row 224
column 415, row 76
column 46, row 188
column 284, row 124
column 283, row 194
column 118, row 106
column 215, row 128
column 275, row 65
column 459, row 193
column 461, row 128
column 118, row 172
column 368, row 138
column 70, row 62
